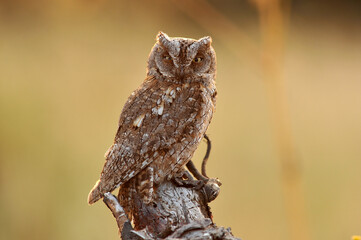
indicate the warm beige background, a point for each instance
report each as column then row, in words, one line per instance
column 67, row 67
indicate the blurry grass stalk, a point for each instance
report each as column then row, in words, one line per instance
column 272, row 24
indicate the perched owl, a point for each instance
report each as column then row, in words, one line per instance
column 164, row 120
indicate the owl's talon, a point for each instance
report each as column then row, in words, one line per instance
column 200, row 184
column 188, row 182
column 209, row 187
column 178, row 181
column 187, row 176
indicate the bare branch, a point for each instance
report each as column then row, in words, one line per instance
column 118, row 212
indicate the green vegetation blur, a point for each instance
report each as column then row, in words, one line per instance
column 286, row 134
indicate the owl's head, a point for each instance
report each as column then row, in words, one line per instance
column 182, row 59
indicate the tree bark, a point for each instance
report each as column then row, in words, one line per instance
column 176, row 213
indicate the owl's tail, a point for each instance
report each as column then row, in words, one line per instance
column 96, row 193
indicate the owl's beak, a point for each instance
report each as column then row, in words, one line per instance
column 180, row 72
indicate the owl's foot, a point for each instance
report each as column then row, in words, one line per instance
column 185, row 179
column 210, row 187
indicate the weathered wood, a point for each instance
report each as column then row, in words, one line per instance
column 118, row 212
column 179, row 209
column 176, row 213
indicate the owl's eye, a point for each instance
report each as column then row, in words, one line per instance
column 198, row 59
column 166, row 57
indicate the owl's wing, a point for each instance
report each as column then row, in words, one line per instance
column 135, row 142
column 160, row 122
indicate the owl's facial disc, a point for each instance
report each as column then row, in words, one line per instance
column 182, row 59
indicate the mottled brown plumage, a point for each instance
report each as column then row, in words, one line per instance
column 164, row 120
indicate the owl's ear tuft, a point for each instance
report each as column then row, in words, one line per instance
column 163, row 39
column 170, row 45
column 205, row 41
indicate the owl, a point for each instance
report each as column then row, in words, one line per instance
column 164, row 120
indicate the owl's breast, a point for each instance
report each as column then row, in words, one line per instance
column 186, row 110
column 185, row 113
column 161, row 126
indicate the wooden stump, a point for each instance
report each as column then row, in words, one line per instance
column 176, row 213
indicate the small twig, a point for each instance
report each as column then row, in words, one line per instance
column 192, row 168
column 205, row 159
column 194, row 171
column 118, row 212
column 125, row 227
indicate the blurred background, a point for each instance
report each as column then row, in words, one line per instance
column 286, row 134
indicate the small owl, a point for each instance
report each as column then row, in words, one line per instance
column 164, row 120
